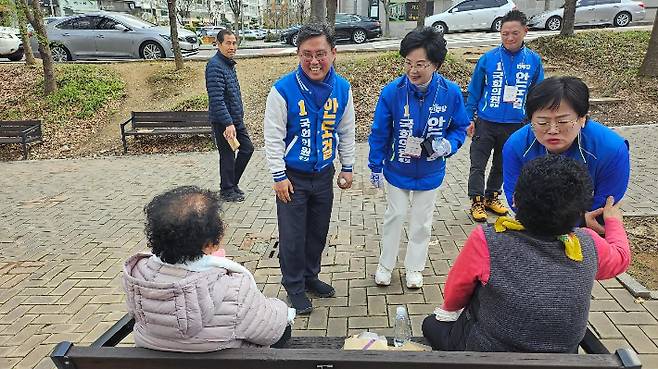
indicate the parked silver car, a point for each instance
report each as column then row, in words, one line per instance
column 113, row 35
column 619, row 13
column 471, row 15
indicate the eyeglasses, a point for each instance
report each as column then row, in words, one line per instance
column 561, row 125
column 419, row 66
column 320, row 56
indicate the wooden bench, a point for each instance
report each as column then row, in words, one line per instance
column 165, row 123
column 323, row 353
column 20, row 131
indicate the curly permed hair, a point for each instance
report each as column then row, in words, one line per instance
column 181, row 221
column 552, row 194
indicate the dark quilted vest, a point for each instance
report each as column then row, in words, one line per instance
column 537, row 299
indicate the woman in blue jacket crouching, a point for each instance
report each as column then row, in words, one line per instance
column 557, row 110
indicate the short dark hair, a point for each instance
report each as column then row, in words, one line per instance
column 551, row 92
column 181, row 221
column 515, row 16
column 552, row 194
column 430, row 40
column 312, row 30
column 222, row 33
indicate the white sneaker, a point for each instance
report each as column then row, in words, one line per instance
column 382, row 276
column 414, row 279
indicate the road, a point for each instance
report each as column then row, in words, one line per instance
column 455, row 40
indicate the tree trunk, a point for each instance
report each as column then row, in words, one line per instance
column 318, row 11
column 173, row 29
column 650, row 65
column 237, row 28
column 25, row 38
column 568, row 18
column 35, row 16
column 331, row 13
column 547, row 5
column 387, row 15
column 422, row 11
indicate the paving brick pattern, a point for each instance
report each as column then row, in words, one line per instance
column 67, row 225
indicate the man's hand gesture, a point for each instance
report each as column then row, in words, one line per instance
column 283, row 190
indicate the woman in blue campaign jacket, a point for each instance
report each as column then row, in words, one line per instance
column 419, row 120
column 557, row 109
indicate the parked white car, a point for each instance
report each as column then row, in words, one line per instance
column 471, row 15
column 619, row 13
column 11, row 46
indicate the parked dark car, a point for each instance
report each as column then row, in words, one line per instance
column 356, row 28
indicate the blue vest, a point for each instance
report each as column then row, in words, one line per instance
column 311, row 137
column 403, row 111
column 499, row 68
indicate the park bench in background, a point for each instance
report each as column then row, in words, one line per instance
column 323, row 353
column 20, row 131
column 165, row 123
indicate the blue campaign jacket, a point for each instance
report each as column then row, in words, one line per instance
column 494, row 70
column 438, row 112
column 224, row 98
column 311, row 131
column 603, row 151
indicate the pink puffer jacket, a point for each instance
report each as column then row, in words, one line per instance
column 180, row 310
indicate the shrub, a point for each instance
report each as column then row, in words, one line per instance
column 84, row 89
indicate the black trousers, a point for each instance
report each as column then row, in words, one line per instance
column 488, row 137
column 283, row 341
column 231, row 166
column 452, row 336
column 303, row 226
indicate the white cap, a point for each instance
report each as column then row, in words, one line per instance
column 401, row 310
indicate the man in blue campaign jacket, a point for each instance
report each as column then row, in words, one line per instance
column 309, row 116
column 227, row 116
column 557, row 109
column 497, row 93
column 419, row 121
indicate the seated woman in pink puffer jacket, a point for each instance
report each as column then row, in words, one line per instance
column 185, row 299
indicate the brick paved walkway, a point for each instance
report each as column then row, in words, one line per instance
column 67, row 225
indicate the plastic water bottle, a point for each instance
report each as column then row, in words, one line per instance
column 402, row 328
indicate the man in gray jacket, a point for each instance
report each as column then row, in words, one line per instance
column 226, row 114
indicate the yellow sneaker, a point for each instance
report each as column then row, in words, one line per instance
column 478, row 211
column 494, row 204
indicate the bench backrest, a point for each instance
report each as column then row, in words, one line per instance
column 266, row 358
column 170, row 119
column 13, row 128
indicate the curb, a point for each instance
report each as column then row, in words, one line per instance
column 631, row 284
column 635, row 288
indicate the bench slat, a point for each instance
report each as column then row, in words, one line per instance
column 187, row 123
column 17, row 139
column 20, row 123
column 164, row 131
column 259, row 358
column 169, row 115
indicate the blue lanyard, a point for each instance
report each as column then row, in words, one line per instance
column 408, row 109
column 501, row 51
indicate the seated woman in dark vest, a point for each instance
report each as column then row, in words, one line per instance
column 524, row 284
